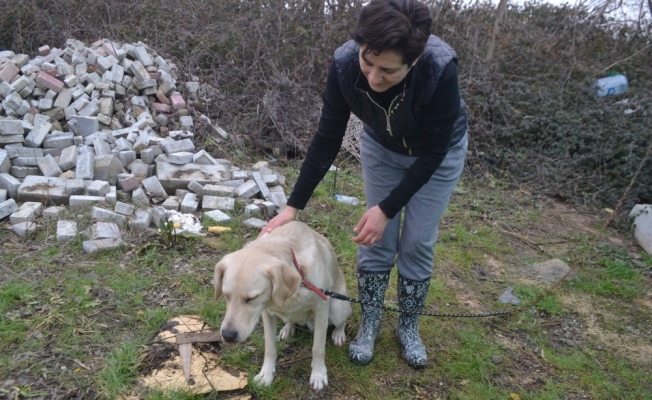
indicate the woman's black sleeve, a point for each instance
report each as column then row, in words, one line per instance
column 326, row 143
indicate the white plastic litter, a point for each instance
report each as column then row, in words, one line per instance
column 642, row 214
column 189, row 223
column 637, row 209
column 354, row 201
column 611, row 85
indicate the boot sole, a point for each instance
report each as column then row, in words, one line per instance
column 357, row 362
column 414, row 366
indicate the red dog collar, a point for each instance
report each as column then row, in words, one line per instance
column 303, row 282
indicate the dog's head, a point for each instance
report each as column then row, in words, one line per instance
column 250, row 282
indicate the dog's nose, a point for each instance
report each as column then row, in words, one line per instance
column 229, row 335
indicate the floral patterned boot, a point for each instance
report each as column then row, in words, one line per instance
column 411, row 299
column 371, row 288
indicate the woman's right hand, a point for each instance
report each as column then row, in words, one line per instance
column 288, row 214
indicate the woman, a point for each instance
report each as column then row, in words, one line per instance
column 402, row 82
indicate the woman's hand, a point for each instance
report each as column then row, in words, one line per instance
column 288, row 214
column 371, row 227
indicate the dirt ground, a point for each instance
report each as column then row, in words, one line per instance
column 586, row 323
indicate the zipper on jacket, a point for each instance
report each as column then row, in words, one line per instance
column 387, row 114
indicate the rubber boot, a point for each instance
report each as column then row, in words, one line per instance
column 411, row 299
column 371, row 288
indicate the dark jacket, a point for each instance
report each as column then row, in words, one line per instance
column 431, row 118
column 407, row 123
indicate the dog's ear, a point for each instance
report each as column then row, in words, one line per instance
column 285, row 282
column 220, row 267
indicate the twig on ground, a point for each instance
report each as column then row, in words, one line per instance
column 81, row 364
column 22, row 277
column 527, row 241
column 283, row 364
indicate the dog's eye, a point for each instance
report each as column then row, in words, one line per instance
column 248, row 299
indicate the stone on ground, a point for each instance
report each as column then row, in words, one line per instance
column 66, row 230
column 93, row 246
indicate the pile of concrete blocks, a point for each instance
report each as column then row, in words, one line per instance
column 106, row 128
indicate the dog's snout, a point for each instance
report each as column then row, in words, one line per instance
column 229, row 335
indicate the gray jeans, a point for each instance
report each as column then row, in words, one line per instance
column 413, row 246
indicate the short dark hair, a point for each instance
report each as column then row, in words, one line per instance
column 402, row 26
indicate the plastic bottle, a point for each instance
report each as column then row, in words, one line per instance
column 347, row 199
column 611, row 85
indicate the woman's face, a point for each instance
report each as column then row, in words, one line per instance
column 383, row 70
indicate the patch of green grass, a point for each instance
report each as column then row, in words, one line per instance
column 601, row 374
column 438, row 292
column 471, row 359
column 15, row 299
column 172, row 395
column 153, row 318
column 621, row 271
column 549, row 303
column 22, row 391
column 612, row 274
column 469, row 389
column 121, row 369
column 273, row 392
column 646, row 259
column 606, row 289
column 461, row 246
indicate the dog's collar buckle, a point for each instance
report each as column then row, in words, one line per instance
column 303, row 282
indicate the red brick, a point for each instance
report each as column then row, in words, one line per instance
column 154, row 75
column 178, row 103
column 161, row 107
column 162, row 98
column 108, row 49
column 44, row 50
column 46, row 80
column 54, row 53
column 9, row 72
column 129, row 184
column 163, row 131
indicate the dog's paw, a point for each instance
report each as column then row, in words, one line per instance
column 286, row 332
column 318, row 380
column 339, row 337
column 265, row 377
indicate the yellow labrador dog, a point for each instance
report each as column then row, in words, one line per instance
column 262, row 279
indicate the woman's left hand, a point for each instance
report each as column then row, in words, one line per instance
column 371, row 227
